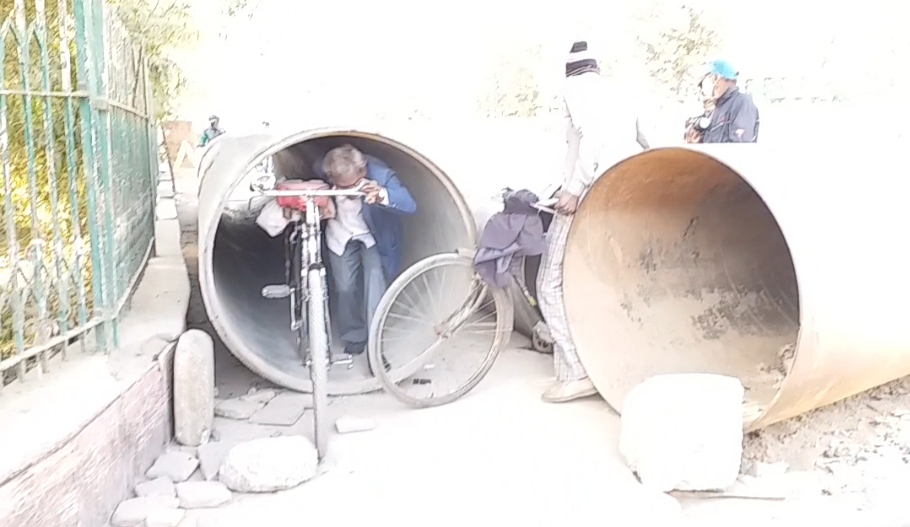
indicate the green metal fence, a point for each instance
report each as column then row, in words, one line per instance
column 79, row 170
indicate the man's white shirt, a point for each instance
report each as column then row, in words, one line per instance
column 601, row 130
column 349, row 224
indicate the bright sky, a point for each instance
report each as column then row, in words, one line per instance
column 436, row 55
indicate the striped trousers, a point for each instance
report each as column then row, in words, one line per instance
column 566, row 364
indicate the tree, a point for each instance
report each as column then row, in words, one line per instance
column 515, row 87
column 158, row 28
column 678, row 46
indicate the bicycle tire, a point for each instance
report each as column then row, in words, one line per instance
column 504, row 325
column 317, row 340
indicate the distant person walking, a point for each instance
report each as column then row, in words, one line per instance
column 213, row 131
column 734, row 118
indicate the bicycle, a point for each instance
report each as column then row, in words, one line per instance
column 306, row 285
column 448, row 316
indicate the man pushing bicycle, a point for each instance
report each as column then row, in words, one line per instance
column 363, row 238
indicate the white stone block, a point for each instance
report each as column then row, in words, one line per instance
column 684, row 431
column 132, row 512
column 348, row 424
column 175, row 466
column 161, row 486
column 194, row 388
column 202, row 494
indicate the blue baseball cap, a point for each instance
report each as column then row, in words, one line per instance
column 723, row 69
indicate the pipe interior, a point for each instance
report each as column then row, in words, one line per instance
column 245, row 258
column 676, row 265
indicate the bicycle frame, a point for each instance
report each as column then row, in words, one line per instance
column 303, row 253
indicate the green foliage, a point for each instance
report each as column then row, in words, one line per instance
column 678, row 47
column 159, row 27
column 50, row 249
column 515, row 84
column 45, row 170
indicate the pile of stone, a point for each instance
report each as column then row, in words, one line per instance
column 201, row 472
column 162, row 500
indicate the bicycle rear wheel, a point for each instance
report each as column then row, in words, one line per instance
column 318, row 341
column 438, row 317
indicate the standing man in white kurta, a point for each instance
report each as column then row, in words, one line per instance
column 601, row 131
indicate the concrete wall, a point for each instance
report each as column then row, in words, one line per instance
column 74, row 439
column 82, row 480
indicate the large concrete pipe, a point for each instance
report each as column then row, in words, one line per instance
column 784, row 268
column 237, row 258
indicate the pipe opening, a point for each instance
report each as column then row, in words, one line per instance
column 676, row 265
column 244, row 258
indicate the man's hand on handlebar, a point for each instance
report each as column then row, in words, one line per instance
column 371, row 191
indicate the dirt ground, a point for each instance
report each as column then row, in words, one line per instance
column 501, row 451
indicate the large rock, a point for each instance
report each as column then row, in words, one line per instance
column 684, row 431
column 269, row 464
column 194, row 388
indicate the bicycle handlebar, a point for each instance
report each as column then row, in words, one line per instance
column 312, row 193
column 546, row 205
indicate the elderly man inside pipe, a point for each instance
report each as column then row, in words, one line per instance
column 363, row 239
column 600, row 131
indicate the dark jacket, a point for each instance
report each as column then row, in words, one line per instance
column 734, row 120
column 514, row 232
column 384, row 221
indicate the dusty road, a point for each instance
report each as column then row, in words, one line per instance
column 501, row 456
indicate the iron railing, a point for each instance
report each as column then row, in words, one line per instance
column 78, row 156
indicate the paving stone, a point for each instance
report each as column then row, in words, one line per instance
column 159, row 487
column 211, row 456
column 284, row 410
column 260, row 396
column 233, row 430
column 237, row 408
column 202, row 494
column 165, row 518
column 133, row 512
column 176, row 466
column 684, row 431
column 347, row 424
column 194, row 387
column 267, row 465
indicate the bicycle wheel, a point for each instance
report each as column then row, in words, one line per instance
column 438, row 317
column 317, row 339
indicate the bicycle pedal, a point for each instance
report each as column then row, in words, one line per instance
column 346, row 360
column 276, row 291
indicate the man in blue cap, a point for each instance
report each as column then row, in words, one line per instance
column 735, row 117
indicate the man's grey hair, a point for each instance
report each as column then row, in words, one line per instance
column 343, row 161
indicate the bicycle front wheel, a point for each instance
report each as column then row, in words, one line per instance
column 318, row 341
column 438, row 321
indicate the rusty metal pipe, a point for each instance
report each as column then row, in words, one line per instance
column 780, row 267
